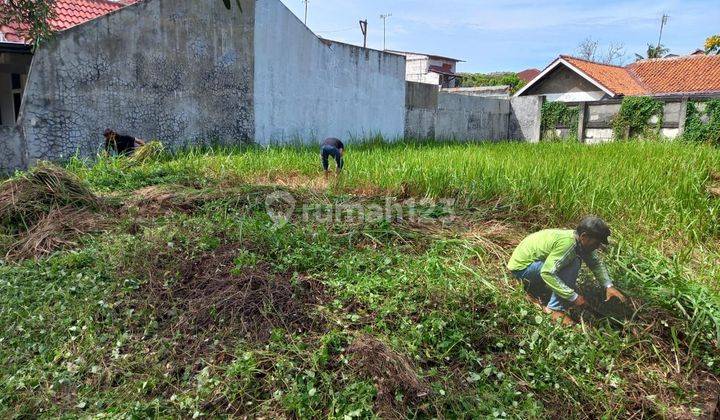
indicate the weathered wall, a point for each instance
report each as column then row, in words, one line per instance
column 11, row 150
column 421, row 101
column 525, row 118
column 464, row 117
column 563, row 84
column 308, row 89
column 175, row 70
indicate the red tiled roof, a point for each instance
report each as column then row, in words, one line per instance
column 614, row 78
column 528, row 74
column 661, row 76
column 688, row 74
column 70, row 13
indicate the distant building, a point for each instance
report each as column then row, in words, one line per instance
column 571, row 79
column 528, row 74
column 432, row 69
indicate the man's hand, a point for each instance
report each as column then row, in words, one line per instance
column 612, row 292
column 580, row 301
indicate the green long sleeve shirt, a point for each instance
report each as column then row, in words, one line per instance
column 558, row 248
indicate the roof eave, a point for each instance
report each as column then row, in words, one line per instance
column 564, row 62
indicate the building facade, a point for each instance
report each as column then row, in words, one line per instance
column 432, row 69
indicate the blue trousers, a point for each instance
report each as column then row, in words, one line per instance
column 328, row 151
column 568, row 275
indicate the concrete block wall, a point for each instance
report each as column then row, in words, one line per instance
column 463, row 117
column 437, row 114
column 421, row 102
column 175, row 70
column 308, row 89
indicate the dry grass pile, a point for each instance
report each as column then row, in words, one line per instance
column 61, row 228
column 31, row 197
column 148, row 152
column 392, row 373
column 46, row 209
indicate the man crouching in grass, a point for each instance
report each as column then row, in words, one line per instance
column 552, row 258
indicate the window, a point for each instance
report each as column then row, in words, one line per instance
column 16, row 82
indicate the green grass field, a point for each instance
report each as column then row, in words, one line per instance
column 163, row 288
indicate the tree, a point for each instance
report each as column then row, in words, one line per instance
column 499, row 79
column 712, row 44
column 31, row 18
column 589, row 50
column 654, row 51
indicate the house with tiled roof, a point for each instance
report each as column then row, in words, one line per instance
column 571, row 79
column 16, row 52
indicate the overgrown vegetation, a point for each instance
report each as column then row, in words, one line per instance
column 702, row 123
column 495, row 79
column 558, row 115
column 195, row 304
column 639, row 116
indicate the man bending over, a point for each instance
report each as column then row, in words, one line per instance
column 553, row 258
column 335, row 148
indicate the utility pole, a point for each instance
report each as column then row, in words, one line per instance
column 363, row 29
column 306, row 9
column 663, row 22
column 385, row 18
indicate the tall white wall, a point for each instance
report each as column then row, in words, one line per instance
column 307, row 89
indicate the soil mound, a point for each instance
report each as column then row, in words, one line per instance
column 214, row 302
column 391, row 372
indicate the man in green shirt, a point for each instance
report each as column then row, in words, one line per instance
column 553, row 257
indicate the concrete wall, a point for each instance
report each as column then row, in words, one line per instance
column 563, row 84
column 308, row 89
column 465, row 117
column 421, row 101
column 175, row 70
column 525, row 118
column 12, row 150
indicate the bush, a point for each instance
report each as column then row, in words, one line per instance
column 635, row 117
column 703, row 126
column 558, row 114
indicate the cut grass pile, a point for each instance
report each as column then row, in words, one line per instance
column 195, row 304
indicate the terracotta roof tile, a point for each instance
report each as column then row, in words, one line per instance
column 687, row 74
column 662, row 76
column 614, row 78
column 71, row 13
column 528, row 74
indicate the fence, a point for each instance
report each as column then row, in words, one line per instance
column 433, row 114
column 594, row 123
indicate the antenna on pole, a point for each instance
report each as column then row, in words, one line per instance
column 306, row 9
column 385, row 18
column 363, row 29
column 663, row 22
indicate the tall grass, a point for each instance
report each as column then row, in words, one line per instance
column 645, row 189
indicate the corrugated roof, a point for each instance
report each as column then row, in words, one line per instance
column 70, row 13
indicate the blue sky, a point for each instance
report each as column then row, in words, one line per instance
column 514, row 34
